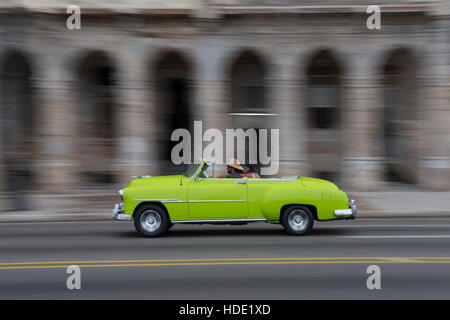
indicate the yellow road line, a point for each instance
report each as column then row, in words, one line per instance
column 428, row 261
column 218, row 259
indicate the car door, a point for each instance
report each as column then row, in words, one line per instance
column 215, row 198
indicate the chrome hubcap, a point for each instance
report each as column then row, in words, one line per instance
column 150, row 221
column 298, row 220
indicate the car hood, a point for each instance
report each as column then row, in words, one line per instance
column 159, row 180
column 320, row 183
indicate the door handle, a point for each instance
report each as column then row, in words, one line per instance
column 241, row 182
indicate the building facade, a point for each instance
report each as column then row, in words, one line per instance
column 84, row 110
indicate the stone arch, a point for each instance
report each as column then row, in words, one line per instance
column 18, row 115
column 323, row 99
column 172, row 74
column 247, row 80
column 247, row 87
column 95, row 73
column 398, row 81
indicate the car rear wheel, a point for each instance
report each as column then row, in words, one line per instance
column 297, row 220
column 151, row 221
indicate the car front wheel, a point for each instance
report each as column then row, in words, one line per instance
column 297, row 220
column 151, row 221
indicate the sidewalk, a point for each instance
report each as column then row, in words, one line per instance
column 46, row 216
column 376, row 204
column 402, row 204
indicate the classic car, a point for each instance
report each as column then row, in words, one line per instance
column 156, row 203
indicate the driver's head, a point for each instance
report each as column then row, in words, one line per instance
column 234, row 166
column 232, row 170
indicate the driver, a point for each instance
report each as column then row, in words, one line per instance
column 234, row 169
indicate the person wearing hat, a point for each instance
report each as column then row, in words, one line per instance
column 250, row 171
column 234, row 169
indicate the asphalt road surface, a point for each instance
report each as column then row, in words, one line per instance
column 254, row 261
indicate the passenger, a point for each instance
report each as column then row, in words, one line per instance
column 250, row 171
column 234, row 169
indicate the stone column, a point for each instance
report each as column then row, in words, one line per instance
column 286, row 101
column 434, row 164
column 135, row 116
column 362, row 153
column 211, row 96
column 56, row 119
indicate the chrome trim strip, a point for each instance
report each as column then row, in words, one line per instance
column 195, row 201
column 189, row 201
column 295, row 178
column 162, row 200
column 220, row 220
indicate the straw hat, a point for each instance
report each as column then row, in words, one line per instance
column 234, row 164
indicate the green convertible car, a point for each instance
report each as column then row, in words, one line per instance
column 156, row 203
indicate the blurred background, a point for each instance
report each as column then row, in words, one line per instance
column 81, row 111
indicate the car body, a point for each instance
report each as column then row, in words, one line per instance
column 196, row 198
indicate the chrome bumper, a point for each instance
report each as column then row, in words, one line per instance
column 347, row 213
column 118, row 213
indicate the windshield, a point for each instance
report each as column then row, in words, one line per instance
column 192, row 170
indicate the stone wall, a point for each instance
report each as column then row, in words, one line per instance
column 285, row 40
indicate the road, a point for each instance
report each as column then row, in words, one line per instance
column 255, row 261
